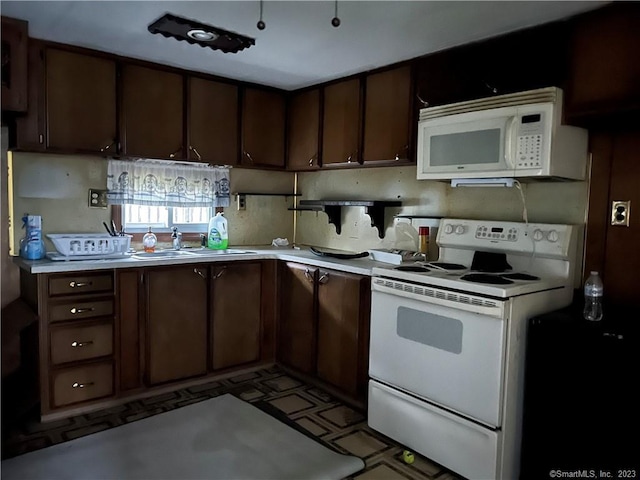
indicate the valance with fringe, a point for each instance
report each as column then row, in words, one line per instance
column 167, row 184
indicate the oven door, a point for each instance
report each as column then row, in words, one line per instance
column 433, row 344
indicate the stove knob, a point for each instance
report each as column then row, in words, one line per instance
column 448, row 229
column 552, row 236
column 460, row 229
column 538, row 235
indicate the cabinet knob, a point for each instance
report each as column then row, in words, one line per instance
column 200, row 273
column 313, row 159
column 173, row 155
column 248, row 155
column 324, row 278
column 308, row 275
column 75, row 310
column 220, row 273
column 82, row 385
column 193, row 149
column 82, row 344
column 107, row 147
column 424, row 104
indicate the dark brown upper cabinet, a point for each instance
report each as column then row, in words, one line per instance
column 304, row 131
column 14, row 64
column 151, row 119
column 341, row 123
column 604, row 76
column 213, row 122
column 263, row 126
column 388, row 120
column 80, row 102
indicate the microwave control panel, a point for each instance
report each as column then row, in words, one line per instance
column 529, row 146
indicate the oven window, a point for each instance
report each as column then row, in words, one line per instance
column 434, row 330
column 465, row 148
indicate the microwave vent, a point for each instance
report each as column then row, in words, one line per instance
column 541, row 95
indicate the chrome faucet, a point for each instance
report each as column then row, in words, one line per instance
column 176, row 238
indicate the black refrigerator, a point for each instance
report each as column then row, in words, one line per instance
column 581, row 406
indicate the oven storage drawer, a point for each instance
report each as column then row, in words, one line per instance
column 458, row 444
column 79, row 384
column 80, row 309
column 70, row 344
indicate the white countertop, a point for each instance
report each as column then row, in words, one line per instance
column 360, row 266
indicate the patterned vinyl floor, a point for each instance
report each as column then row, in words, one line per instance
column 306, row 407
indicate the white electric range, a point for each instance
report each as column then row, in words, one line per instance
column 447, row 347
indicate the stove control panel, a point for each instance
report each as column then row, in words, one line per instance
column 550, row 240
column 497, row 233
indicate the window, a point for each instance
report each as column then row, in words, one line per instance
column 138, row 218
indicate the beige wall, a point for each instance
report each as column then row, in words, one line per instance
column 552, row 202
column 9, row 272
column 57, row 188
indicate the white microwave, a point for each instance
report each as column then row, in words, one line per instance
column 515, row 135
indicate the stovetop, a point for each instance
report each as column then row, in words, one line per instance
column 497, row 284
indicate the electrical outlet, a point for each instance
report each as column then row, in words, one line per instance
column 241, row 201
column 620, row 211
column 97, row 198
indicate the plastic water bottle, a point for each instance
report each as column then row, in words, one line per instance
column 593, row 289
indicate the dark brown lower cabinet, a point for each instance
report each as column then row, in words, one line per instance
column 297, row 322
column 176, row 323
column 236, row 299
column 343, row 325
column 324, row 326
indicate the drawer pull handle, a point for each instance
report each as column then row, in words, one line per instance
column 82, row 344
column 308, row 275
column 324, row 278
column 220, row 273
column 75, row 310
column 82, row 385
column 79, row 284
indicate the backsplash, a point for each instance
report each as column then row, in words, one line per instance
column 550, row 202
column 56, row 187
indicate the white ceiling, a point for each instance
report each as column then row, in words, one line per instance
column 299, row 46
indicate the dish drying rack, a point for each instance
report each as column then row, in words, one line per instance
column 83, row 245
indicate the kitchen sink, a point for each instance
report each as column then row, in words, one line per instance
column 208, row 251
column 161, row 254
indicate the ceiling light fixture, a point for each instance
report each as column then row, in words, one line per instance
column 261, row 25
column 197, row 33
column 335, row 21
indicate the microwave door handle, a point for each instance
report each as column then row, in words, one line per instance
column 509, row 148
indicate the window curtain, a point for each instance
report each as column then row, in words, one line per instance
column 167, row 184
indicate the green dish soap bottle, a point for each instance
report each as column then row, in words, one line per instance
column 218, row 235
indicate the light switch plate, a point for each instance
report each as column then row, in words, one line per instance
column 97, row 198
column 242, row 201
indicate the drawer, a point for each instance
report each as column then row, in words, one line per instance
column 80, row 384
column 69, row 344
column 79, row 310
column 78, row 284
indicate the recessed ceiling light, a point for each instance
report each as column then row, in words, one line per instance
column 202, row 35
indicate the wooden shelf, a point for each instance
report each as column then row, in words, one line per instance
column 333, row 209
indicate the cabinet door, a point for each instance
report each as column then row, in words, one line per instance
column 296, row 330
column 263, row 124
column 128, row 313
column 341, row 122
column 81, row 102
column 152, row 113
column 14, row 64
column 235, row 314
column 343, row 313
column 604, row 69
column 304, row 131
column 388, row 115
column 176, row 323
column 213, row 122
